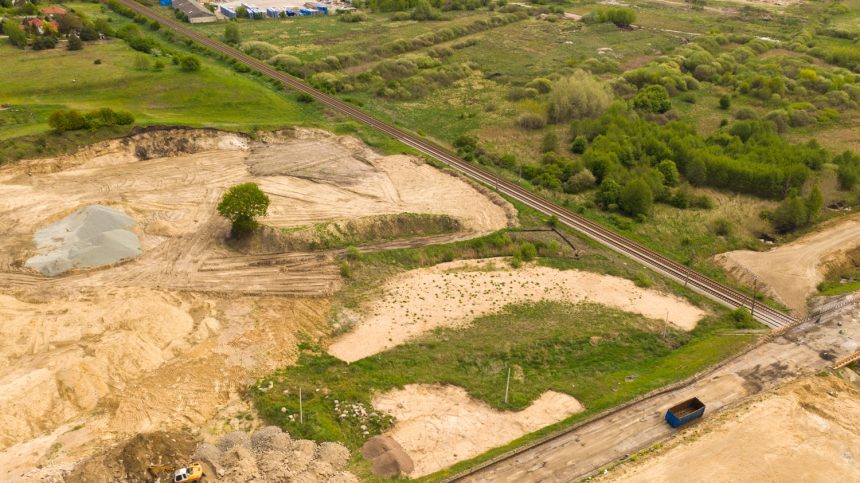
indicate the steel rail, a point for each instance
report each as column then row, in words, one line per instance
column 681, row 273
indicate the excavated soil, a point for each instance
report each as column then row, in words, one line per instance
column 441, row 425
column 166, row 340
column 807, row 430
column 791, row 272
column 410, row 303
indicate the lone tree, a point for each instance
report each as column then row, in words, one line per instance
column 240, row 204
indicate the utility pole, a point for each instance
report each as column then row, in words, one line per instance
column 507, row 385
column 752, row 304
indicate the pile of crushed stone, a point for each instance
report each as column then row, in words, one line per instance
column 271, row 455
column 92, row 236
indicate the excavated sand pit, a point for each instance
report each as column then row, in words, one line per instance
column 466, row 289
column 441, row 425
column 167, row 339
column 791, row 272
column 808, row 430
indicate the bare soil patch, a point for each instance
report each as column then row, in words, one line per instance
column 167, row 339
column 807, row 430
column 792, row 271
column 455, row 293
column 440, row 425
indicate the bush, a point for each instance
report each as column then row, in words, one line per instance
column 527, row 251
column 579, row 182
column 577, row 96
column 75, row 42
column 17, row 37
column 286, row 63
column 725, row 101
column 531, row 121
column 66, row 120
column 636, row 198
column 608, row 194
column 44, row 42
column 189, row 63
column 260, row 50
column 231, row 34
column 652, row 98
column 354, row 17
column 579, row 144
column 305, row 98
column 722, row 227
column 549, row 143
column 541, row 85
column 423, row 11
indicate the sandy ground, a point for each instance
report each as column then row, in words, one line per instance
column 467, row 289
column 807, row 350
column 168, row 339
column 791, row 272
column 440, row 425
column 808, row 430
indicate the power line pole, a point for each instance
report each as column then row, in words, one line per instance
column 752, row 304
column 507, row 385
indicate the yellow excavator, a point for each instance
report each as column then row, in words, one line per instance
column 192, row 472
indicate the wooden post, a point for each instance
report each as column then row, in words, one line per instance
column 301, row 409
column 507, row 385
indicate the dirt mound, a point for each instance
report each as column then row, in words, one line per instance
column 92, row 236
column 270, row 455
column 473, row 288
column 130, row 461
column 791, row 272
column 807, row 430
column 387, row 457
column 438, row 426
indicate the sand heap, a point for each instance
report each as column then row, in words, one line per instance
column 270, row 455
column 92, row 236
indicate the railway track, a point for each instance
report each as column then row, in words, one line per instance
column 698, row 282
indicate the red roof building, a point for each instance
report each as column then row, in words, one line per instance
column 53, row 11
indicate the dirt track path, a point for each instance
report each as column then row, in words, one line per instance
column 791, row 272
column 594, row 445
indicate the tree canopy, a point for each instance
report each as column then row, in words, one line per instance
column 241, row 204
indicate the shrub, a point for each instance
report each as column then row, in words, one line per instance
column 725, row 101
column 722, row 227
column 636, row 198
column 305, row 98
column 44, row 42
column 17, row 37
column 75, row 43
column 530, row 120
column 549, row 142
column 260, row 50
column 189, row 63
column 579, row 144
column 541, row 85
column 286, row 63
column 66, row 120
column 608, row 194
column 527, row 251
column 579, row 182
column 577, row 96
column 423, row 11
column 354, row 17
column 652, row 98
column 231, row 34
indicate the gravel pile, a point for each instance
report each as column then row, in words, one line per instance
column 92, row 236
column 271, row 455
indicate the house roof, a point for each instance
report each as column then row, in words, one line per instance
column 53, row 11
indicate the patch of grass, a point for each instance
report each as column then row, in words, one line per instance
column 584, row 350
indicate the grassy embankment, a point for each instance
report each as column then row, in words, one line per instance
column 584, row 350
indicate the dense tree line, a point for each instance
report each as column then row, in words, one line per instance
column 71, row 120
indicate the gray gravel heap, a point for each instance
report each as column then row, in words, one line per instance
column 92, row 236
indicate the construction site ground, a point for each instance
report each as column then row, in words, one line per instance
column 806, row 430
column 791, row 272
column 623, row 432
column 167, row 340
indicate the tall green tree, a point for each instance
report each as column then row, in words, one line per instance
column 17, row 37
column 636, row 198
column 231, row 34
column 241, row 204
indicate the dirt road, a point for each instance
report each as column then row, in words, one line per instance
column 807, row 430
column 791, row 272
column 593, row 445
